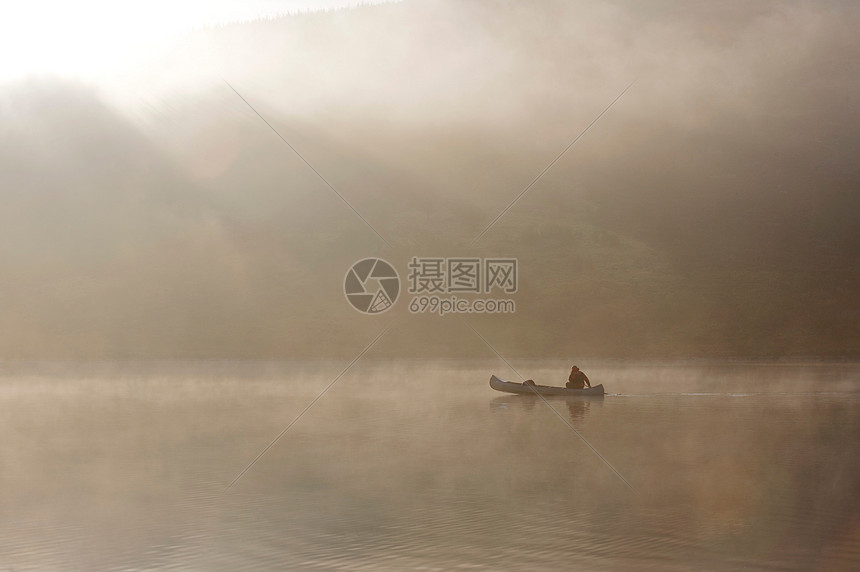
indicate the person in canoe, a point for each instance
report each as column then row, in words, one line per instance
column 577, row 379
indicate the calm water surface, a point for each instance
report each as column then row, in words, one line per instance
column 411, row 465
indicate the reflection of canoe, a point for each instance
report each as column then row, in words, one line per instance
column 512, row 387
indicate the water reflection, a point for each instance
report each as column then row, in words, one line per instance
column 126, row 469
column 577, row 408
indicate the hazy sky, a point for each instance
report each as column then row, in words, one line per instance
column 87, row 38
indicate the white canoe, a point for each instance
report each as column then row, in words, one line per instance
column 514, row 387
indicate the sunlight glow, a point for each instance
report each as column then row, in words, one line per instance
column 87, row 38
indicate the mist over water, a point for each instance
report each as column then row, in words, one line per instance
column 420, row 464
column 175, row 236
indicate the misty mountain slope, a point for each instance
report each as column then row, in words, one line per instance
column 759, row 131
column 711, row 211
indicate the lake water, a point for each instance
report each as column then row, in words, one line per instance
column 421, row 466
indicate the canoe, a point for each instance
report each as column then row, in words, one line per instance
column 514, row 387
